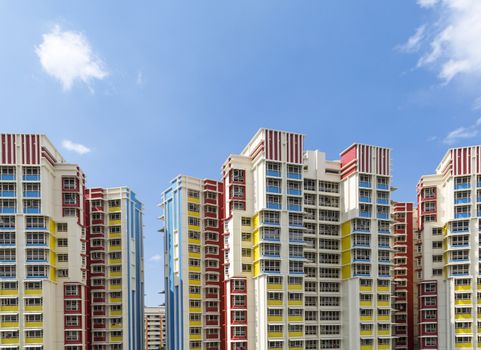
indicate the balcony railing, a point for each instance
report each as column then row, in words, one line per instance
column 382, row 216
column 364, row 199
column 7, row 177
column 31, row 194
column 294, row 191
column 8, row 210
column 365, row 214
column 462, row 200
column 462, row 186
column 294, row 207
column 8, row 194
column 273, row 205
column 273, row 189
column 461, row 215
column 381, row 186
column 365, row 184
column 296, row 176
column 31, row 177
column 273, row 173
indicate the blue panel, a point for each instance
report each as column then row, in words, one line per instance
column 8, row 210
column 31, row 194
column 296, row 176
column 7, row 177
column 8, row 194
column 273, row 173
column 31, row 178
column 31, row 210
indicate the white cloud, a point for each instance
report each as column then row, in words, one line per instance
column 427, row 3
column 451, row 42
column 155, row 258
column 414, row 42
column 75, row 147
column 68, row 57
column 463, row 133
column 140, row 78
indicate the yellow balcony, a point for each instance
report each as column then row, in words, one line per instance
column 195, row 336
column 274, row 302
column 115, row 286
column 116, row 325
column 33, row 291
column 383, row 303
column 116, row 339
column 274, row 287
column 194, row 282
column 296, row 334
column 33, row 324
column 115, row 312
column 295, row 286
column 113, row 235
column 194, row 255
column 194, row 268
column 115, row 300
column 383, row 289
column 366, row 332
column 295, row 348
column 384, row 347
column 295, row 318
column 13, row 292
column 195, row 323
column 8, row 341
column 275, row 334
column 195, row 309
column 463, row 302
column 274, row 318
column 115, row 274
column 366, row 288
column 383, row 318
column 10, row 308
column 33, row 307
column 462, row 288
column 366, row 347
column 114, row 209
column 463, row 316
column 463, row 346
column 115, row 248
column 34, row 340
column 195, row 214
column 295, row 302
column 366, row 318
column 193, row 200
column 463, row 331
column 115, row 222
column 384, row 332
column 9, row 325
column 194, row 296
column 115, row 261
column 366, row 303
column 194, row 241
column 194, row 227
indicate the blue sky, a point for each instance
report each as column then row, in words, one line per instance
column 155, row 89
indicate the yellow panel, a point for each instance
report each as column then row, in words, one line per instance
column 12, row 292
column 116, row 313
column 366, row 347
column 33, row 324
column 115, row 261
column 9, row 324
column 382, row 289
column 194, row 214
column 295, row 302
column 366, row 332
column 34, row 340
column 274, row 286
column 194, row 227
column 195, row 336
column 257, row 269
column 115, row 222
column 463, row 302
column 113, row 235
column 463, row 331
column 194, row 296
column 116, row 339
column 366, row 302
column 114, row 209
column 384, row 332
column 255, row 220
column 384, row 347
column 295, row 287
column 194, row 282
column 9, row 341
column 295, row 334
column 33, row 307
column 366, row 318
column 463, row 316
column 274, row 302
column 463, row 346
column 366, row 288
column 346, row 229
column 274, row 318
column 274, row 334
column 383, row 318
column 346, row 243
column 33, row 291
column 256, row 253
column 346, row 271
column 195, row 323
column 194, row 241
column 462, row 288
column 383, row 303
column 193, row 200
column 295, row 318
column 194, row 268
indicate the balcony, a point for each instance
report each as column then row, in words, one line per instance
column 462, row 200
column 31, row 177
column 381, row 186
column 365, row 214
column 461, row 215
column 273, row 189
column 294, row 192
column 31, row 210
column 7, row 178
column 295, row 176
column 31, row 194
column 8, row 194
column 294, row 207
column 462, row 186
column 273, row 205
column 364, row 184
column 8, row 210
column 273, row 173
column 383, row 216
column 364, row 199
column 361, row 245
column 383, row 201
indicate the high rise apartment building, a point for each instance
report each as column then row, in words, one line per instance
column 116, row 269
column 44, row 248
column 448, row 253
column 155, row 325
column 305, row 250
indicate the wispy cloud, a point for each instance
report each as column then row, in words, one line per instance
column 68, row 57
column 414, row 42
column 140, row 78
column 75, row 147
column 449, row 43
column 463, row 133
column 156, row 258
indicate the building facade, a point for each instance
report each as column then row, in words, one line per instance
column 306, row 250
column 447, row 259
column 155, row 325
column 45, row 243
column 194, row 270
column 116, row 269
